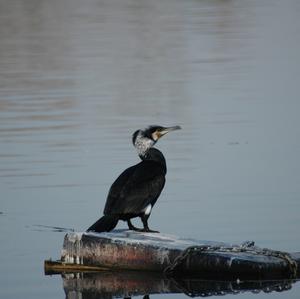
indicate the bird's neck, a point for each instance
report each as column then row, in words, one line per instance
column 153, row 154
column 143, row 145
column 147, row 152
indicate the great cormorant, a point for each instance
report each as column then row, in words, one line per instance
column 136, row 190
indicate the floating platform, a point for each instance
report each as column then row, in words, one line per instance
column 171, row 256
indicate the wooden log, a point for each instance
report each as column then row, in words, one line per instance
column 130, row 250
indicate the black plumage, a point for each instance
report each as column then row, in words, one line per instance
column 136, row 190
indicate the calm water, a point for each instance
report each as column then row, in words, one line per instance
column 78, row 77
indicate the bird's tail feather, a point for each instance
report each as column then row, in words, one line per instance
column 104, row 224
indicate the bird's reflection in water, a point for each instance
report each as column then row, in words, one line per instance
column 129, row 284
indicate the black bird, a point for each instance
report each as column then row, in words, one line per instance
column 136, row 190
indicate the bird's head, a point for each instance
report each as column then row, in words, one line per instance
column 145, row 138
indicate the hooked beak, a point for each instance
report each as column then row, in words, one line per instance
column 166, row 130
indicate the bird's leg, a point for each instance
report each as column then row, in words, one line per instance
column 144, row 219
column 132, row 227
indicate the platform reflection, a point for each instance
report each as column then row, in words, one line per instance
column 130, row 284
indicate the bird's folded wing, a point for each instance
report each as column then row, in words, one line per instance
column 135, row 188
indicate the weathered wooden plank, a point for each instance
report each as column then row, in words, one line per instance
column 56, row 267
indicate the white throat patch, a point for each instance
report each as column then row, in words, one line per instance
column 142, row 144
